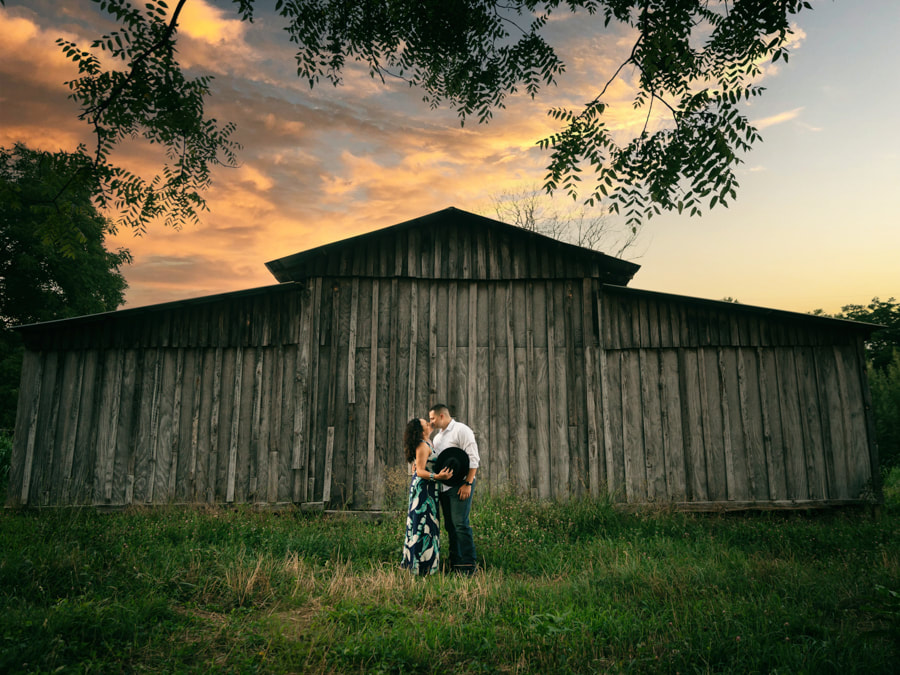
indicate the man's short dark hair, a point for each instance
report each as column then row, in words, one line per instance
column 439, row 408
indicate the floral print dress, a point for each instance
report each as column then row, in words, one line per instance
column 420, row 546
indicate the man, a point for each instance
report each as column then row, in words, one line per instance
column 456, row 503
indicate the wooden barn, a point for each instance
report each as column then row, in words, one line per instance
column 298, row 393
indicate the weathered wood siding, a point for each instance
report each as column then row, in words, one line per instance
column 727, row 405
column 172, row 415
column 453, row 244
column 299, row 393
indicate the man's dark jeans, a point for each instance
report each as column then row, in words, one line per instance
column 461, row 544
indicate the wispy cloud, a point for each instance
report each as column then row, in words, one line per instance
column 780, row 118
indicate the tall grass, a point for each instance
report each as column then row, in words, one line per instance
column 565, row 588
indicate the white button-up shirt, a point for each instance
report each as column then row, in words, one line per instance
column 457, row 435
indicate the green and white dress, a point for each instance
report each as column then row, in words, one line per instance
column 420, row 546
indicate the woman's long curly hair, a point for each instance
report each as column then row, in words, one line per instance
column 412, row 437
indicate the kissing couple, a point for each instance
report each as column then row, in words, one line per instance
column 443, row 472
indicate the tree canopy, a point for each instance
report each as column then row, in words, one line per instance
column 883, row 343
column 695, row 60
column 53, row 261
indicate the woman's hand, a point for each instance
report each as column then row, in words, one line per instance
column 445, row 474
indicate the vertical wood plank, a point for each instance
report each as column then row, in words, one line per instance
column 453, row 262
column 432, row 343
column 849, row 368
column 650, row 313
column 270, row 420
column 154, row 423
column 358, row 437
column 196, row 402
column 837, row 434
column 514, row 413
column 351, row 346
column 493, row 389
column 373, row 382
column 752, row 416
column 164, row 429
column 329, row 458
column 175, row 444
column 472, row 374
column 139, row 462
column 573, row 337
column 35, row 363
column 711, row 397
column 672, row 433
column 27, row 383
column 815, row 459
column 184, row 488
column 248, row 459
column 770, row 398
column 413, row 352
column 606, row 401
column 215, row 405
column 114, row 384
column 791, row 421
column 452, row 329
column 86, row 443
column 873, row 468
column 310, row 451
column 203, row 394
column 299, row 432
column 235, row 425
column 651, row 416
column 105, row 384
column 576, row 338
column 710, row 414
column 257, row 475
column 595, row 469
column 553, row 449
column 733, row 415
column 632, row 427
column 129, row 416
column 333, row 352
column 285, row 472
column 52, row 436
column 843, row 394
column 342, row 455
column 532, row 390
column 73, row 419
column 397, row 328
column 64, row 396
column 480, row 246
column 388, row 307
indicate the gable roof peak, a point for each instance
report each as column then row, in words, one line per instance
column 452, row 244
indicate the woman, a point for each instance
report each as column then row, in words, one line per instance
column 420, row 546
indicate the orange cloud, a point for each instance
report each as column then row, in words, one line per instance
column 201, row 21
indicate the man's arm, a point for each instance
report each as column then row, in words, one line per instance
column 471, row 449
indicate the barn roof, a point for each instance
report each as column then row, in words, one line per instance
column 453, row 244
column 449, row 244
column 740, row 308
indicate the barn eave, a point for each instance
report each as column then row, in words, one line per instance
column 723, row 305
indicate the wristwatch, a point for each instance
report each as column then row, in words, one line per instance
column 468, row 483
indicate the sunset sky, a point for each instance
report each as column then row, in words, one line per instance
column 815, row 225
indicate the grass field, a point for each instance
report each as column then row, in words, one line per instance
column 565, row 588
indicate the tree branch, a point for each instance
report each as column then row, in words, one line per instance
column 95, row 111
